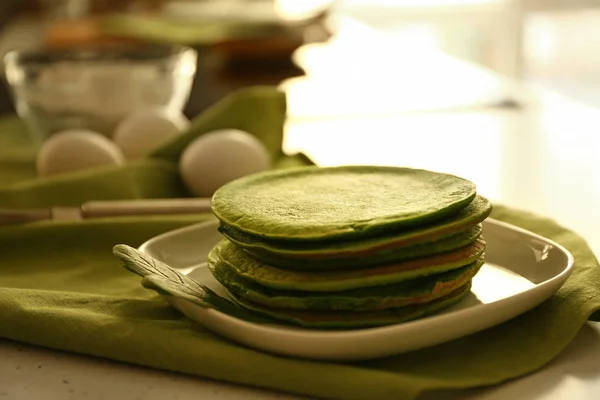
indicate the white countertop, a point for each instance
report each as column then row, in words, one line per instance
column 537, row 161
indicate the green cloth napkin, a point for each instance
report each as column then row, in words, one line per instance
column 61, row 287
column 259, row 110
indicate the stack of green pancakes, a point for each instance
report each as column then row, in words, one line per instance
column 348, row 247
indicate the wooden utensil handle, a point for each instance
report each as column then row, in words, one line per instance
column 9, row 217
column 97, row 209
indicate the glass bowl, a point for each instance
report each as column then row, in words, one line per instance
column 96, row 88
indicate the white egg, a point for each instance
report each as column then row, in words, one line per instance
column 219, row 157
column 143, row 131
column 74, row 150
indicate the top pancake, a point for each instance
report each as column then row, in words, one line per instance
column 313, row 203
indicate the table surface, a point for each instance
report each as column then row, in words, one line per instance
column 541, row 158
column 523, row 147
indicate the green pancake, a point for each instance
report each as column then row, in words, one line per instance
column 313, row 203
column 293, row 254
column 351, row 258
column 355, row 319
column 414, row 291
column 337, row 280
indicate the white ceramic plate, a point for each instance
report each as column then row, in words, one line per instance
column 522, row 270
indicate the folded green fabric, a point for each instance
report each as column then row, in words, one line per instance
column 260, row 111
column 62, row 288
column 16, row 152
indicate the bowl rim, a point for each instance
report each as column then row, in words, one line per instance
column 142, row 52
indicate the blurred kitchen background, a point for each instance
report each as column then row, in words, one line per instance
column 343, row 57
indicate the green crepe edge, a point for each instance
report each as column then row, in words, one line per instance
column 339, row 280
column 420, row 290
column 260, row 216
